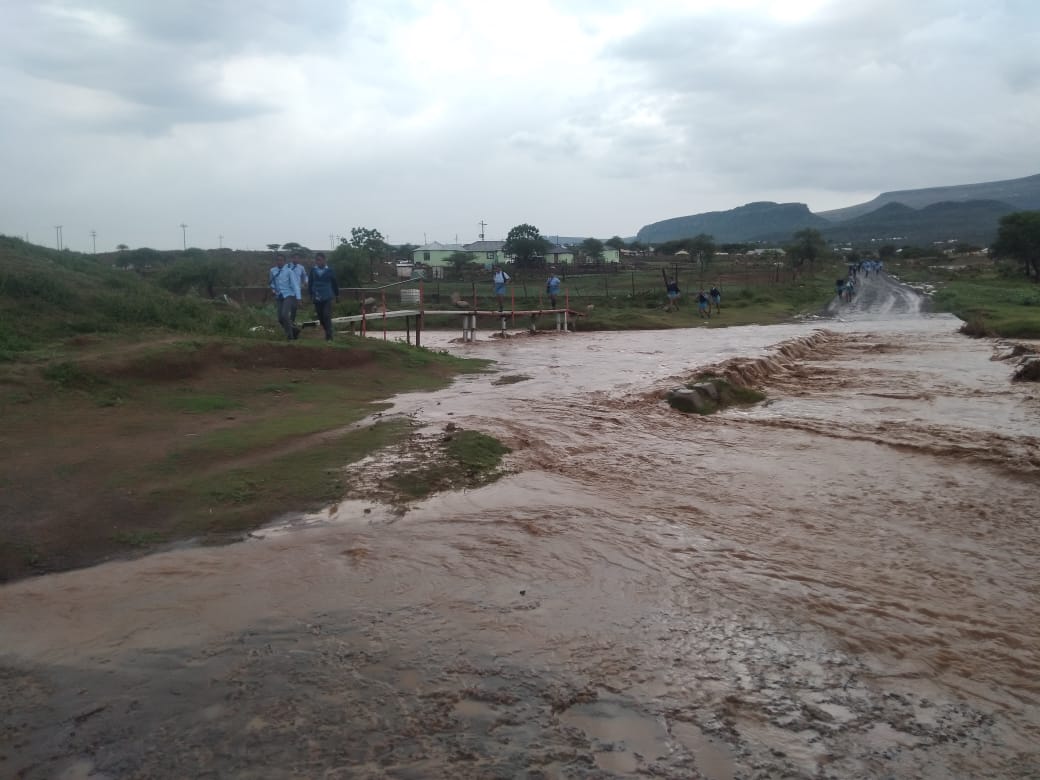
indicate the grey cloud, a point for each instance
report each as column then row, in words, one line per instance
column 166, row 65
column 846, row 100
column 232, row 26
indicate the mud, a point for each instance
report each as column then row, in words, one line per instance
column 841, row 582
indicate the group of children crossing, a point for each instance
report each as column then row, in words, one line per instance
column 845, row 288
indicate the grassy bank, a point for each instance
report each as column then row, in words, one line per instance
column 111, row 451
column 992, row 299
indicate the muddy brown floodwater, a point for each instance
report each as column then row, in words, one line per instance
column 841, row 582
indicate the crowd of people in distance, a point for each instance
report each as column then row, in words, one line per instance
column 845, row 288
column 288, row 280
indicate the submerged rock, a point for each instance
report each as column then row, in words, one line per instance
column 710, row 389
column 691, row 399
column 1028, row 370
column 710, row 395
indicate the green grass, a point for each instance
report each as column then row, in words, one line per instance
column 993, row 300
column 635, row 300
column 468, row 459
column 267, row 433
column 138, row 538
column 235, row 500
column 476, row 452
column 202, row 403
column 47, row 296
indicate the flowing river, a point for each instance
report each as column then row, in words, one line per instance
column 843, row 581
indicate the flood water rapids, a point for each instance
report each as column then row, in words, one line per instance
column 842, row 581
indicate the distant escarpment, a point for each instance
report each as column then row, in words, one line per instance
column 753, row 222
column 967, row 213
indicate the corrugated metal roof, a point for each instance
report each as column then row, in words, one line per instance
column 437, row 246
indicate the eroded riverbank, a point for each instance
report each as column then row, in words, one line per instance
column 841, row 582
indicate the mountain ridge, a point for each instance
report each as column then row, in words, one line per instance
column 965, row 212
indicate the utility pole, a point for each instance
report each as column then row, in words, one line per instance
column 332, row 241
column 220, row 238
column 184, row 235
column 93, row 238
column 483, row 225
column 57, row 236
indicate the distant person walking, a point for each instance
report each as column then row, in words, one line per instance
column 324, row 289
column 703, row 305
column 552, row 288
column 716, row 298
column 500, row 279
column 285, row 284
column 839, row 288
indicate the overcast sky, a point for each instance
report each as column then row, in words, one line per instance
column 267, row 121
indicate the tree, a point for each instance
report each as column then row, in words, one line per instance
column 459, row 261
column 349, row 264
column 526, row 244
column 674, row 246
column 292, row 246
column 592, row 249
column 886, row 252
column 1019, row 239
column 808, row 246
column 371, row 243
column 274, row 247
column 121, row 247
column 615, row 242
column 200, row 273
column 702, row 245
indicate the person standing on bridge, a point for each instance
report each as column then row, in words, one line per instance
column 324, row 289
column 552, row 288
column 500, row 278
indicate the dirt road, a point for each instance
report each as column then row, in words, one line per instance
column 878, row 296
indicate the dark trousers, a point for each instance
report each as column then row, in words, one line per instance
column 323, row 311
column 286, row 315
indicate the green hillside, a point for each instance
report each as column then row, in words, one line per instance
column 47, row 296
column 973, row 222
column 968, row 213
column 1022, row 194
column 746, row 223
